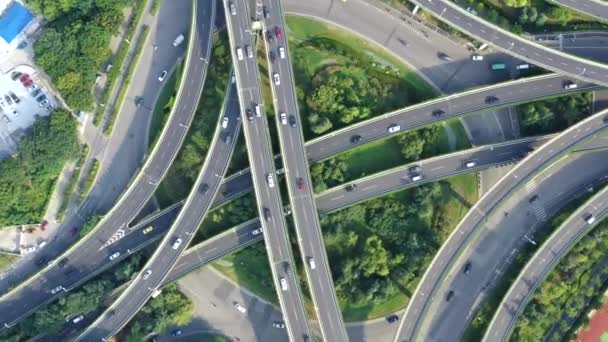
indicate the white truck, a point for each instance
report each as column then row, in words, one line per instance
column 178, row 40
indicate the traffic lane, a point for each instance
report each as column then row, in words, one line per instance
column 421, row 115
column 595, row 9
column 458, row 17
column 304, row 212
column 259, row 151
column 442, row 260
column 539, row 266
column 430, row 170
column 489, row 254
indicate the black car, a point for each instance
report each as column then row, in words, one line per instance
column 491, row 99
column 176, row 332
column 273, row 56
column 292, row 121
column 415, row 169
column 449, row 296
column 139, row 101
column 269, row 35
column 438, row 113
column 355, row 139
column 62, row 262
column 606, row 119
column 40, row 261
column 110, row 314
column 533, row 199
column 467, row 268
column 266, row 12
column 351, row 187
column 392, row 318
column 267, row 215
column 249, row 114
column 203, row 188
column 41, row 98
column 443, row 56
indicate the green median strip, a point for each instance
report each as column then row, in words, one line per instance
column 71, row 187
column 89, row 180
column 127, row 80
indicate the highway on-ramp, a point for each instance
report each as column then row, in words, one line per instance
column 297, row 175
column 543, row 261
column 265, row 181
column 515, row 45
column 426, row 292
column 18, row 304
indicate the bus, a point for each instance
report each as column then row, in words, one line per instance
column 499, row 66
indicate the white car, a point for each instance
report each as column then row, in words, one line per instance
column 394, row 128
column 114, row 256
column 232, row 8
column 176, row 243
column 56, row 290
column 589, row 219
column 249, row 51
column 470, row 164
column 225, row 122
column 270, row 180
column 283, row 284
column 239, row 54
column 570, row 85
column 311, row 263
column 240, row 308
column 477, row 58
column 471, row 10
column 162, row 76
column 147, row 274
column 258, row 110
column 277, row 81
column 416, row 178
column 257, row 231
column 282, row 52
column 29, row 249
column 283, row 119
column 77, row 319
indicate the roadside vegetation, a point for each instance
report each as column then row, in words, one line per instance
column 28, row 178
column 89, row 225
column 535, row 16
column 6, row 260
column 163, row 105
column 564, row 296
column 72, row 182
column 342, row 79
column 182, row 174
column 51, row 318
column 170, row 308
column 378, row 249
column 555, row 114
column 88, row 181
column 483, row 316
column 74, row 44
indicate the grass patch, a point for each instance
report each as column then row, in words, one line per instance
column 88, row 182
column 73, row 182
column 6, row 260
column 124, row 86
column 155, row 7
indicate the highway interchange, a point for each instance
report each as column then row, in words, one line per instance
column 409, row 118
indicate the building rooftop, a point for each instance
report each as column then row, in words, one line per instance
column 13, row 21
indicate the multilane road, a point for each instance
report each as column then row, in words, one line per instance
column 265, row 182
column 19, row 302
column 514, row 45
column 543, row 261
column 297, row 175
column 593, row 8
column 443, row 261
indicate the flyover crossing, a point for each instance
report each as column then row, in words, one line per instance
column 593, row 8
column 23, row 301
column 16, row 304
column 515, row 45
column 265, row 182
column 473, row 222
column 542, row 262
column 297, row 176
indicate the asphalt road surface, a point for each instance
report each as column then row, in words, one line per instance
column 593, row 8
column 191, row 214
column 492, row 250
column 543, row 261
column 443, row 261
column 264, row 177
column 297, row 175
column 19, row 304
column 515, row 45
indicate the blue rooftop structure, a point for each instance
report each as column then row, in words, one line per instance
column 13, row 21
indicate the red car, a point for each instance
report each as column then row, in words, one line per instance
column 300, row 182
column 28, row 83
column 44, row 224
column 24, row 78
column 278, row 32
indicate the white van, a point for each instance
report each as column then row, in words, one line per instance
column 570, row 85
column 178, row 40
column 522, row 67
column 239, row 54
column 470, row 164
column 258, row 110
column 311, row 263
column 394, row 128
